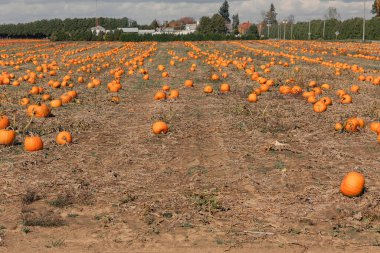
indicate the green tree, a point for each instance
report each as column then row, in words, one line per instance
column 271, row 15
column 235, row 23
column 218, row 25
column 204, row 26
column 376, row 8
column 224, row 11
column 155, row 24
column 253, row 31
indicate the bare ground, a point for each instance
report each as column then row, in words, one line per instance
column 219, row 180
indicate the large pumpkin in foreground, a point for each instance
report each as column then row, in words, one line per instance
column 352, row 184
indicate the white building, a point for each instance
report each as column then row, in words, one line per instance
column 191, row 28
column 129, row 30
column 98, row 29
column 141, row 32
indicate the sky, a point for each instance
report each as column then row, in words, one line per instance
column 144, row 11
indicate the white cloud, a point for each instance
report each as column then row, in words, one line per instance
column 144, row 11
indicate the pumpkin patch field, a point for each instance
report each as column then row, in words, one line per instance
column 251, row 146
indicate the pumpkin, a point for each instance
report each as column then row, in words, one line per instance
column 338, row 126
column 46, row 97
column 146, row 77
column 325, row 86
column 225, row 87
column 160, row 127
column 33, row 143
column 326, row 100
column 312, row 99
column 252, row 98
column 4, row 122
column 264, row 87
column 189, row 83
column 173, row 94
column 72, row 93
column 340, row 93
column 165, row 74
column 35, row 90
column 56, row 103
column 312, row 84
column 63, row 138
column 355, row 88
column 296, row 90
column 208, row 89
column 361, row 122
column 7, row 137
column 317, row 90
column 159, row 95
column 24, row 101
column 215, row 77
column 115, row 99
column 352, row 125
column 39, row 111
column 352, row 184
column 284, row 89
column 346, row 99
column 320, row 107
column 374, row 126
column 166, row 88
column 66, row 98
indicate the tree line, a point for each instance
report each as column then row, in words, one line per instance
column 217, row 27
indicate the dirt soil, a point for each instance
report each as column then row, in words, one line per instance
column 229, row 176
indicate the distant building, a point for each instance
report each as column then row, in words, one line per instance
column 141, row 32
column 191, row 28
column 98, row 29
column 244, row 27
column 129, row 30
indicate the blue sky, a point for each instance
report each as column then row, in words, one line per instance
column 144, row 11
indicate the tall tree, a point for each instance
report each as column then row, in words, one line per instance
column 218, row 24
column 332, row 13
column 224, row 11
column 376, row 8
column 235, row 23
column 204, row 26
column 154, row 24
column 271, row 15
column 252, row 30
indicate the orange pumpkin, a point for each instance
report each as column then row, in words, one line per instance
column 173, row 94
column 252, row 98
column 352, row 125
column 225, row 87
column 352, row 184
column 338, row 126
column 4, row 122
column 56, row 103
column 355, row 88
column 346, row 99
column 208, row 89
column 24, row 101
column 160, row 127
column 326, row 100
column 33, row 143
column 159, row 95
column 7, row 137
column 63, row 138
column 374, row 126
column 189, row 83
column 39, row 111
column 320, row 107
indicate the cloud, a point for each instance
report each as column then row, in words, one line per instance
column 144, row 11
